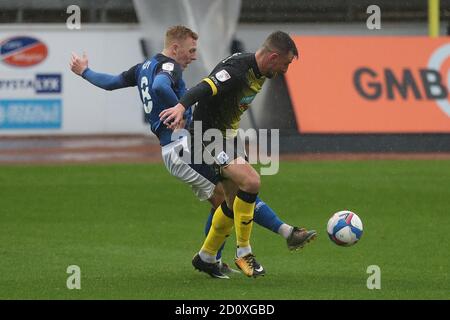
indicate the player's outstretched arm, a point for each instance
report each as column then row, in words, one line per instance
column 79, row 66
column 162, row 87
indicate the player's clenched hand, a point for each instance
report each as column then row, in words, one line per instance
column 171, row 117
column 78, row 64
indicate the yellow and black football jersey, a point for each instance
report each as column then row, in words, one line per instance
column 235, row 82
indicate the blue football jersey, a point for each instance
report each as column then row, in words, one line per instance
column 142, row 75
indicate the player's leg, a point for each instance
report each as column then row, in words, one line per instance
column 247, row 180
column 224, row 267
column 203, row 180
column 263, row 214
column 219, row 228
column 266, row 217
column 203, row 183
column 222, row 224
column 241, row 188
column 295, row 237
column 208, row 227
column 216, row 200
column 219, row 196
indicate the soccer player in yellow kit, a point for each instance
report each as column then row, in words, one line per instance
column 222, row 98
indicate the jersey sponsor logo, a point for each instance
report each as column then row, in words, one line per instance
column 168, row 66
column 23, row 51
column 222, row 75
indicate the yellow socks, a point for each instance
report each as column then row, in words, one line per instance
column 221, row 226
column 243, row 207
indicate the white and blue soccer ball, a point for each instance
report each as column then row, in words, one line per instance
column 345, row 228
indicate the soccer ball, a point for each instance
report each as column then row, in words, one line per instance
column 345, row 228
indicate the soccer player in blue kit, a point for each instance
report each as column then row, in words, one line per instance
column 160, row 85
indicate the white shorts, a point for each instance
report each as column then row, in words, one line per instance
column 201, row 178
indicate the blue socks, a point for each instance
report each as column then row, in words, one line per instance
column 266, row 217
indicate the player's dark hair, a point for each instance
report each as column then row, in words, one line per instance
column 179, row 33
column 281, row 42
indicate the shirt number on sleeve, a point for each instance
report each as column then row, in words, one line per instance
column 146, row 98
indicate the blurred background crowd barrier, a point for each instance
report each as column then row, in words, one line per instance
column 354, row 88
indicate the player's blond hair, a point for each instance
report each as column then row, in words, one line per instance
column 178, row 33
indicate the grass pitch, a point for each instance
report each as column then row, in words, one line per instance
column 133, row 229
